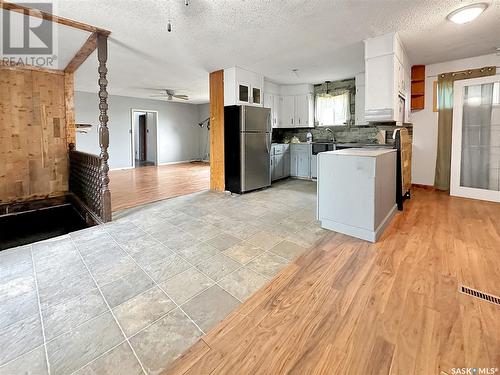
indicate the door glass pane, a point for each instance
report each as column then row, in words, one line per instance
column 480, row 162
column 243, row 93
column 256, row 95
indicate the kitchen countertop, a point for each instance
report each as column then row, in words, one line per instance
column 367, row 152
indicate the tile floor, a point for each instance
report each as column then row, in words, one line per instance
column 130, row 296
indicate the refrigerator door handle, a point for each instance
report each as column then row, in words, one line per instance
column 268, row 143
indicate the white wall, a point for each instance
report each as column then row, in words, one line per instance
column 425, row 122
column 178, row 132
column 203, row 113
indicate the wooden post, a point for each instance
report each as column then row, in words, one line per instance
column 69, row 101
column 102, row 57
column 217, row 181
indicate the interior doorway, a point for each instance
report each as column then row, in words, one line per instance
column 144, row 138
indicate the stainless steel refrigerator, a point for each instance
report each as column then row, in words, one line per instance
column 247, row 148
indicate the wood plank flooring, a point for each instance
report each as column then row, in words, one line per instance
column 135, row 187
column 351, row 307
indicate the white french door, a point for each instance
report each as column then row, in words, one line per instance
column 475, row 155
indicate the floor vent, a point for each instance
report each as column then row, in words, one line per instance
column 480, row 295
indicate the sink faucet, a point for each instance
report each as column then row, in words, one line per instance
column 331, row 132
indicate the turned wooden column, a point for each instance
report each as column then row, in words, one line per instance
column 102, row 57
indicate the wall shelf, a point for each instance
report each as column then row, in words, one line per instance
column 417, row 87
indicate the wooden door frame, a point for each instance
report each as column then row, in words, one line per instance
column 132, row 131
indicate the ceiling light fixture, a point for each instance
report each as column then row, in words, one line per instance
column 467, row 13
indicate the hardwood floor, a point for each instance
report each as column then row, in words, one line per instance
column 134, row 187
column 351, row 307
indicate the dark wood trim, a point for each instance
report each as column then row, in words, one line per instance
column 102, row 57
column 88, row 47
column 50, row 17
column 426, row 187
column 85, row 212
column 32, row 204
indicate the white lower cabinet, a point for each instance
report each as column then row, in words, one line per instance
column 290, row 160
column 300, row 163
column 280, row 161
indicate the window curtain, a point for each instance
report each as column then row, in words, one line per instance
column 476, row 136
column 333, row 108
column 445, row 121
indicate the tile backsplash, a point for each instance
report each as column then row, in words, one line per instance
column 342, row 134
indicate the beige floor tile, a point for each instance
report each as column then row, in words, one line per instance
column 265, row 240
column 138, row 312
column 242, row 283
column 218, row 266
column 210, row 307
column 185, row 285
column 268, row 264
column 161, row 343
column 288, row 250
column 243, row 252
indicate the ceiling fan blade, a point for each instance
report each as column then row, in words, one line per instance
column 158, row 96
column 183, row 97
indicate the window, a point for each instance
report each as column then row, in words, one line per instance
column 332, row 109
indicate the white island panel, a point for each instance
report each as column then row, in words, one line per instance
column 357, row 191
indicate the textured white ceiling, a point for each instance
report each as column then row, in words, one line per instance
column 321, row 38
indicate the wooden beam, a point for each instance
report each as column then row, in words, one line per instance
column 217, row 176
column 50, row 17
column 102, row 57
column 88, row 47
column 30, row 67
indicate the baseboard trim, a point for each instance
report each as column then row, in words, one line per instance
column 178, row 162
column 361, row 233
column 421, row 186
column 120, row 168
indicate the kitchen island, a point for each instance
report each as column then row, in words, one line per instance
column 357, row 191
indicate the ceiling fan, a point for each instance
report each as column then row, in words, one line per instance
column 169, row 95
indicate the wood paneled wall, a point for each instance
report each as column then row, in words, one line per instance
column 33, row 136
column 217, row 181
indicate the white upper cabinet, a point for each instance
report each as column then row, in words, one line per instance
column 243, row 87
column 277, row 103
column 292, row 106
column 288, row 112
column 386, row 78
column 272, row 102
column 304, row 111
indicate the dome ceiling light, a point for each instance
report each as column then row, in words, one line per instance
column 467, row 14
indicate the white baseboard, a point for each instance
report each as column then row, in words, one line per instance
column 169, row 163
column 120, row 169
column 178, row 162
column 364, row 234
